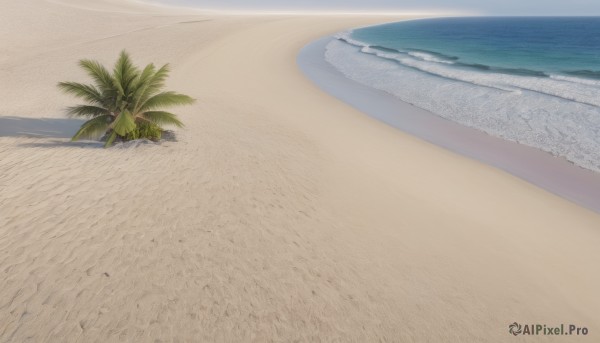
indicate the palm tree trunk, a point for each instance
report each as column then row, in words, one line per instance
column 110, row 139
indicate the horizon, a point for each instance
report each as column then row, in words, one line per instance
column 577, row 8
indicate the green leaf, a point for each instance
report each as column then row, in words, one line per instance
column 157, row 82
column 153, row 85
column 124, row 123
column 87, row 92
column 162, row 118
column 102, row 77
column 86, row 111
column 110, row 139
column 93, row 128
column 141, row 84
column 166, row 99
column 123, row 75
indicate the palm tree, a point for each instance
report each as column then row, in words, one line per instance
column 121, row 101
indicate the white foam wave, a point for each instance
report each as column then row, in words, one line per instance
column 574, row 79
column 428, row 57
column 347, row 37
column 575, row 91
column 557, row 115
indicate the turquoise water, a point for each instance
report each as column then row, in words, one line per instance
column 531, row 80
column 539, row 46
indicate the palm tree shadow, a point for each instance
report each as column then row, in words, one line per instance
column 38, row 127
column 59, row 128
column 64, row 144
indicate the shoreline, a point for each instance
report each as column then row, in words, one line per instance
column 542, row 169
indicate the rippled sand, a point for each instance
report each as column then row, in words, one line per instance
column 279, row 214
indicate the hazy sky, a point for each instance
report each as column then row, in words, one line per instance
column 486, row 7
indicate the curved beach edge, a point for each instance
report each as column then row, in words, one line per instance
column 554, row 174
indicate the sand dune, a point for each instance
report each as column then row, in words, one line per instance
column 279, row 214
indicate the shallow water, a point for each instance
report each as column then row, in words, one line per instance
column 554, row 174
column 530, row 80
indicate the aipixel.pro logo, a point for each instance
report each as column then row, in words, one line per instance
column 516, row 329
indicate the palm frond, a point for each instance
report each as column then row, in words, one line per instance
column 124, row 123
column 154, row 85
column 111, row 139
column 93, row 128
column 146, row 75
column 123, row 74
column 86, row 111
column 161, row 118
column 157, row 82
column 166, row 99
column 101, row 75
column 87, row 92
column 141, row 84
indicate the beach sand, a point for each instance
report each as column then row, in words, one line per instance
column 279, row 214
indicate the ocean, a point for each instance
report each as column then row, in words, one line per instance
column 532, row 80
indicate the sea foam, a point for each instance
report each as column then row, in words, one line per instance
column 559, row 114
